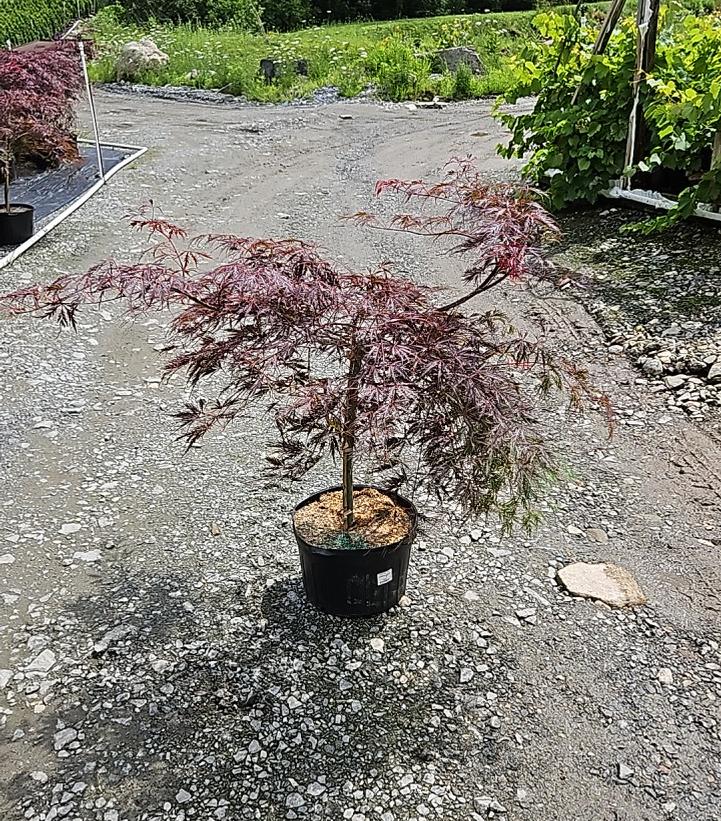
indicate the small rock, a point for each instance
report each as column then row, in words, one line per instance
column 39, row 776
column 7, row 558
column 665, row 675
column 574, row 531
column 595, row 534
column 215, row 529
column 5, row 676
column 295, row 799
column 714, row 375
column 69, row 528
column 316, row 788
column 608, row 583
column 112, row 636
column 183, row 796
column 88, row 556
column 526, row 613
column 624, row 772
column 674, row 382
column 43, row 662
column 476, row 535
column 466, row 675
column 652, row 367
column 64, row 737
column 345, row 116
column 378, row 645
column 405, row 601
column 471, row 595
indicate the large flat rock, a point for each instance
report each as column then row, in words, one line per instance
column 608, row 583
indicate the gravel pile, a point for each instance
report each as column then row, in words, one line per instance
column 658, row 299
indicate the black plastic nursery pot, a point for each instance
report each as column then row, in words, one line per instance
column 16, row 226
column 363, row 582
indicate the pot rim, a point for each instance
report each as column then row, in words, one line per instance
column 407, row 504
column 16, row 208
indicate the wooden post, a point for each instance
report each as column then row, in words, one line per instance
column 609, row 24
column 647, row 25
column 716, row 150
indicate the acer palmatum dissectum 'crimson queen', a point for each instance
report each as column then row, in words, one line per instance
column 502, row 227
column 355, row 365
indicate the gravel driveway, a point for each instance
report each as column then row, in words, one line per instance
column 152, row 670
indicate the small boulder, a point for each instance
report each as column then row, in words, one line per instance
column 451, row 58
column 139, row 56
column 608, row 583
column 714, row 374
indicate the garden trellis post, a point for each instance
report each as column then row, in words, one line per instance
column 647, row 25
column 607, row 29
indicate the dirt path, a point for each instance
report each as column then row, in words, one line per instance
column 151, row 671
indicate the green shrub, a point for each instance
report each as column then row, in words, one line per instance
column 398, row 72
column 22, row 21
column 463, row 83
column 576, row 149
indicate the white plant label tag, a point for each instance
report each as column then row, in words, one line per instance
column 385, row 577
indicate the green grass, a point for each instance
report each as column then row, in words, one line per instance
column 394, row 57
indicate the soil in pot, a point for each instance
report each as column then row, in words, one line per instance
column 378, row 521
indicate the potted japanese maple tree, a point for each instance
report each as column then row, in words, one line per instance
column 364, row 368
column 37, row 93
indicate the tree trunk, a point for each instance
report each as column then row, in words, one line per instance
column 348, row 436
column 5, row 170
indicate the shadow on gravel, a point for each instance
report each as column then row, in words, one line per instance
column 669, row 277
column 236, row 690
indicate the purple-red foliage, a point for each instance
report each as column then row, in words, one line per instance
column 38, row 89
column 502, row 226
column 348, row 362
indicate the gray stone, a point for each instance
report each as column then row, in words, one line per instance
column 595, row 534
column 674, row 382
column 69, row 528
column 183, row 796
column 42, row 663
column 452, row 58
column 624, row 772
column 88, row 556
column 112, row 636
column 5, row 676
column 7, row 558
column 466, row 675
column 652, row 366
column 714, row 374
column 64, row 737
column 608, row 583
column 665, row 675
column 137, row 57
column 526, row 613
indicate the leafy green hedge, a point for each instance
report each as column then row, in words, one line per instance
column 22, row 21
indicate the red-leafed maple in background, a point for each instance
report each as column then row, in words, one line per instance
column 38, row 90
column 361, row 366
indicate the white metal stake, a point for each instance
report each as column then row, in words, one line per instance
column 88, row 88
